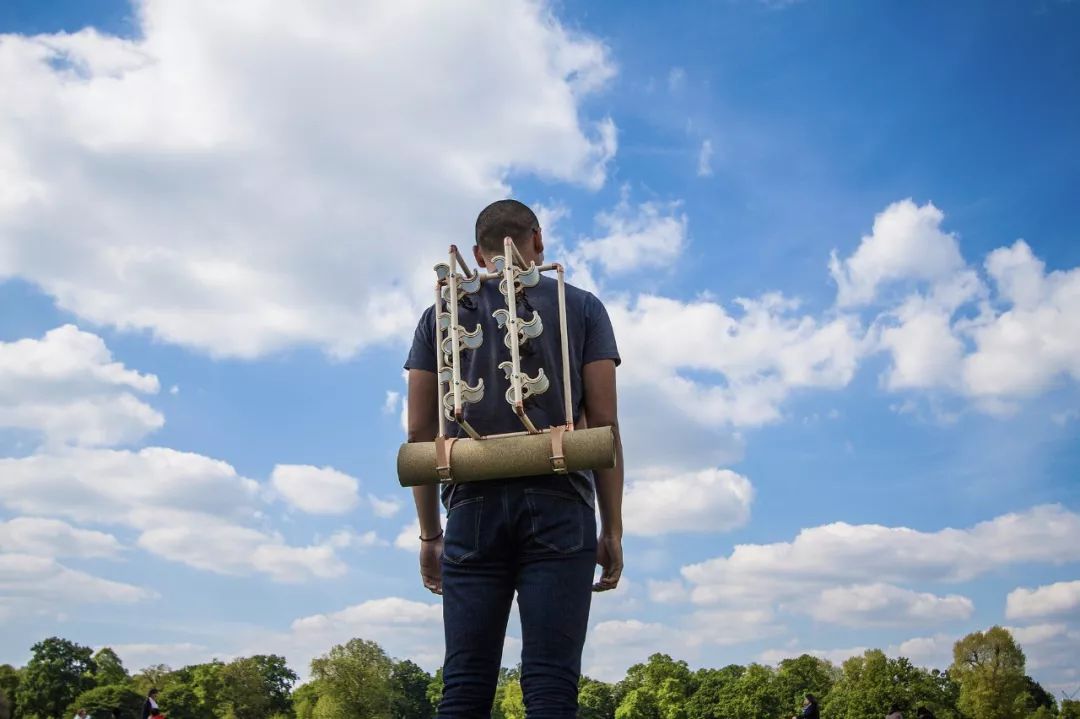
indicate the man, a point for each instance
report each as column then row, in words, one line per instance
column 81, row 714
column 535, row 536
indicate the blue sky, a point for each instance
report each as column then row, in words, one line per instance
column 223, row 203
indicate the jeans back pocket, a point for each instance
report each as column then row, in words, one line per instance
column 462, row 538
column 558, row 523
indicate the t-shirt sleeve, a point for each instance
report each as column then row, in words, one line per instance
column 422, row 353
column 599, row 335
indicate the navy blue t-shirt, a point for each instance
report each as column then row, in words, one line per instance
column 590, row 339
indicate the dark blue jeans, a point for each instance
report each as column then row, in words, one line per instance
column 537, row 537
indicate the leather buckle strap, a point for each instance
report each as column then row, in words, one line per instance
column 558, row 459
column 444, row 446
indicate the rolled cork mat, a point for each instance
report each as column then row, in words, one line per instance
column 506, row 457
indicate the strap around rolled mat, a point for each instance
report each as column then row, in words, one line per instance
column 524, row 455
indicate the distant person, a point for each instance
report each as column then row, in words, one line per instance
column 924, row 713
column 81, row 714
column 894, row 713
column 809, row 708
column 150, row 708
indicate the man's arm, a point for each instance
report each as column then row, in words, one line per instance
column 601, row 408
column 423, row 424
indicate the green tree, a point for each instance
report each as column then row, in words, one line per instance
column 9, row 685
column 512, row 702
column 205, row 680
column 354, row 679
column 58, row 671
column 101, row 701
column 1070, row 709
column 596, row 699
column 150, row 677
column 255, row 687
column 661, row 683
column 304, row 699
column 110, row 670
column 434, row 689
column 805, row 674
column 639, row 703
column 713, row 685
column 989, row 667
column 1038, row 698
column 753, row 695
column 178, row 700
column 410, row 684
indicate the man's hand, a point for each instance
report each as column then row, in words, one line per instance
column 431, row 565
column 609, row 556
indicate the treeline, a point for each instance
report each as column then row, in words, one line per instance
column 358, row 680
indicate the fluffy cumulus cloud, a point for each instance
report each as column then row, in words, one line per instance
column 1035, row 339
column 996, row 334
column 27, row 581
column 240, row 181
column 405, row 628
column 756, row 357
column 1060, row 598
column 841, row 554
column 880, row 604
column 642, row 237
column 54, row 538
column 316, row 490
column 186, row 507
column 711, row 500
column 907, row 242
column 933, row 652
column 67, row 387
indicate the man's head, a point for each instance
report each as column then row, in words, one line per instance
column 508, row 218
column 152, row 693
column 81, row 712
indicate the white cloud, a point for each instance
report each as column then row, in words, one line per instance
column 187, row 508
column 124, row 487
column 212, row 544
column 67, row 387
column 758, row 358
column 880, row 604
column 53, row 538
column 1023, row 350
column 405, row 628
column 704, row 160
column 710, row 500
column 137, row 656
column 841, row 553
column 392, row 403
column 291, row 147
column 667, row 592
column 384, row 508
column 1051, row 651
column 647, row 236
column 316, row 490
column 933, row 652
column 907, row 242
column 1049, row 600
column 28, row 580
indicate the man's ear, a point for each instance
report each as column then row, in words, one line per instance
column 479, row 257
column 538, row 242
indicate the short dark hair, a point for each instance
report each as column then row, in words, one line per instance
column 504, row 218
column 152, row 692
column 810, row 698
